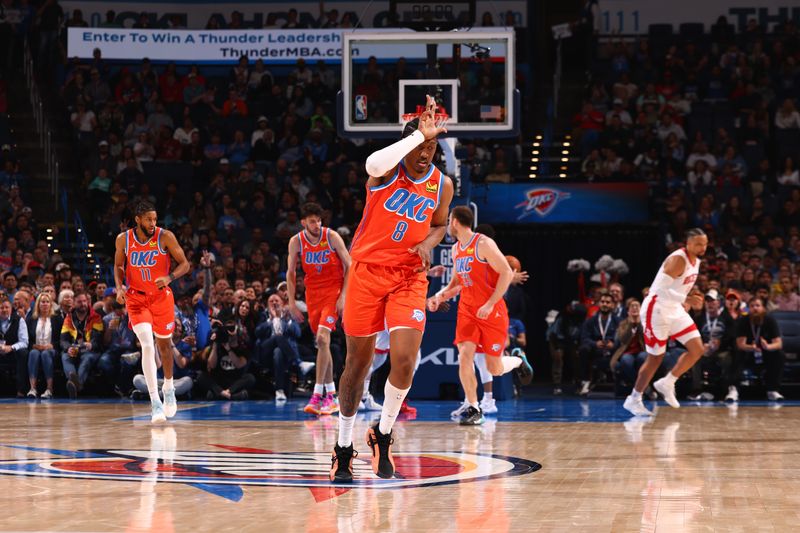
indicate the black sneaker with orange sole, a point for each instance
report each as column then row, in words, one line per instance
column 381, row 446
column 342, row 464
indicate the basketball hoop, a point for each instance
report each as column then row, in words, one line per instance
column 439, row 116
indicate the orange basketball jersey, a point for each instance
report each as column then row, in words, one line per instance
column 320, row 262
column 146, row 261
column 477, row 277
column 397, row 216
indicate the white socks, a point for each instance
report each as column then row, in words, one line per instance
column 330, row 388
column 636, row 395
column 168, row 384
column 670, row 378
column 391, row 406
column 510, row 363
column 345, row 430
column 487, row 396
column 319, row 388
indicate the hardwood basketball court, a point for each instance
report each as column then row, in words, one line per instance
column 101, row 466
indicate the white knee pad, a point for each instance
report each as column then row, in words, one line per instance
column 483, row 370
column 144, row 332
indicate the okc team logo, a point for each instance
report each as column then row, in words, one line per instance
column 540, row 201
column 330, row 320
column 496, row 347
column 418, row 315
column 224, row 471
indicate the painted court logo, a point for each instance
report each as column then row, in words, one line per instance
column 540, row 201
column 223, row 471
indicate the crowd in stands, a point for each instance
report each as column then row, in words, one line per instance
column 710, row 122
column 228, row 155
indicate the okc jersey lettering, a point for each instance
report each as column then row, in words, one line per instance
column 143, row 259
column 410, row 205
column 463, row 269
column 317, row 258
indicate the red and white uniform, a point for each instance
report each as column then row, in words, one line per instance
column 662, row 314
column 478, row 281
column 324, row 279
column 144, row 263
column 382, row 285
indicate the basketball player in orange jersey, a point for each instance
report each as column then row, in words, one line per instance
column 325, row 261
column 481, row 276
column 405, row 217
column 664, row 317
column 142, row 277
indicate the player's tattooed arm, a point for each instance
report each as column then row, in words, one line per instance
column 174, row 249
column 438, row 226
column 119, row 268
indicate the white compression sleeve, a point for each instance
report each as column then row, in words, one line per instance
column 144, row 332
column 483, row 370
column 382, row 161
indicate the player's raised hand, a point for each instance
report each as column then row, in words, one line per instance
column 205, row 260
column 121, row 295
column 428, row 124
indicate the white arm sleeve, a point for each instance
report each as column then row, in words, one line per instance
column 382, row 161
column 664, row 281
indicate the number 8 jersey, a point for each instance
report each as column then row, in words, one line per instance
column 397, row 216
column 145, row 262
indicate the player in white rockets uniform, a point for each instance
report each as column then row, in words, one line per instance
column 664, row 317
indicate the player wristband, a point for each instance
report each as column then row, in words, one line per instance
column 171, row 277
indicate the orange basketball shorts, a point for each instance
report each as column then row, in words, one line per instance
column 157, row 309
column 322, row 311
column 490, row 334
column 378, row 295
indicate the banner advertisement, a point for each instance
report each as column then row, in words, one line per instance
column 580, row 203
column 195, row 14
column 635, row 16
column 226, row 46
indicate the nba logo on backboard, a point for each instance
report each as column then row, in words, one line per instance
column 361, row 107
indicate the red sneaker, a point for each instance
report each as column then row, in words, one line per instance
column 406, row 409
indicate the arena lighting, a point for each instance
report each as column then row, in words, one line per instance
column 535, row 152
column 562, row 175
column 534, row 159
column 91, row 245
column 564, row 152
column 566, row 143
column 534, row 168
column 568, row 137
column 564, row 159
column 532, row 176
column 563, row 168
column 49, row 230
column 49, row 237
column 79, row 230
column 538, row 137
column 536, row 144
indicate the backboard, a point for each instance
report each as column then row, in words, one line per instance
column 388, row 73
